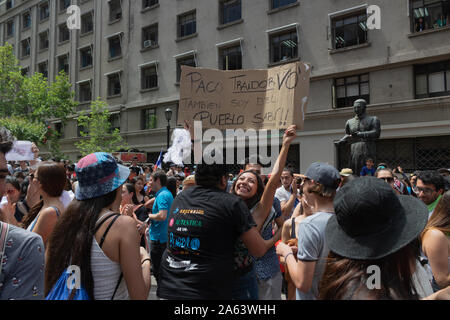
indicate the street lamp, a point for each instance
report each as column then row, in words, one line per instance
column 168, row 114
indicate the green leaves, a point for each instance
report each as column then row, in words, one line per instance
column 96, row 131
column 24, row 129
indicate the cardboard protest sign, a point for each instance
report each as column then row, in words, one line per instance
column 21, row 151
column 258, row 99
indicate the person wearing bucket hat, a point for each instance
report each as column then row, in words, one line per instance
column 374, row 229
column 319, row 190
column 94, row 237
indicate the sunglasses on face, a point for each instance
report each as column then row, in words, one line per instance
column 388, row 179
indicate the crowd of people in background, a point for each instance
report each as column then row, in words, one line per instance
column 204, row 232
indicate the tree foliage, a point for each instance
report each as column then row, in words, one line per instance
column 97, row 132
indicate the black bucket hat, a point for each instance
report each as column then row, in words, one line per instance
column 371, row 221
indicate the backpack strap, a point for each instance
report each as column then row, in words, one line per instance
column 4, row 228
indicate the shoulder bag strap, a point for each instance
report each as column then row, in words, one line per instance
column 4, row 228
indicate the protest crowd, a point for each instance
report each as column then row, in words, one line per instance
column 204, row 232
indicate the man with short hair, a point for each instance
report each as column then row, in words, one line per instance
column 287, row 193
column 21, row 252
column 368, row 169
column 319, row 190
column 158, row 218
column 135, row 168
column 430, row 187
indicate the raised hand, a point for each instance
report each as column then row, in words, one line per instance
column 290, row 134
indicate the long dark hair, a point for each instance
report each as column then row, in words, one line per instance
column 134, row 180
column 259, row 191
column 343, row 278
column 52, row 177
column 71, row 240
column 131, row 189
column 16, row 184
column 171, row 185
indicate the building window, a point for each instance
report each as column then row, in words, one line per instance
column 283, row 46
column 349, row 31
column 115, row 10
column 87, row 23
column 114, row 86
column 9, row 4
column 63, row 64
column 26, row 20
column 59, row 128
column 187, row 61
column 86, row 57
column 64, row 33
column 429, row 14
column 84, row 91
column 43, row 68
column 350, row 89
column 148, row 119
column 44, row 11
column 149, row 77
column 115, row 48
column 432, row 80
column 25, row 72
column 230, row 10
column 150, row 36
column 148, row 3
column 80, row 129
column 43, row 40
column 280, row 3
column 230, row 58
column 63, row 5
column 114, row 119
column 10, row 28
column 25, row 46
column 187, row 24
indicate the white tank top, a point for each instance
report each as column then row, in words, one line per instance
column 106, row 273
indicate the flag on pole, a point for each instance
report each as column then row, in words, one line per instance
column 158, row 164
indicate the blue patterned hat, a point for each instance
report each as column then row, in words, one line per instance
column 99, row 174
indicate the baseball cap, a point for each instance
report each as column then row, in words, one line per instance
column 324, row 174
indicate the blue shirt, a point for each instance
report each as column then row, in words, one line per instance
column 158, row 229
column 367, row 172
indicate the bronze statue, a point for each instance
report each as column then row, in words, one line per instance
column 361, row 132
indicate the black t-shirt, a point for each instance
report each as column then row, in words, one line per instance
column 204, row 225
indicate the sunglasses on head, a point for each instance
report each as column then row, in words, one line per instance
column 388, row 179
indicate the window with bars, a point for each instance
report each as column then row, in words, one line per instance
column 115, row 48
column 148, row 117
column 86, row 57
column 275, row 4
column 230, row 10
column 9, row 4
column 186, row 61
column 432, row 80
column 230, row 58
column 350, row 30
column 149, row 77
column 429, row 14
column 43, row 68
column 25, row 47
column 43, row 40
column 150, row 36
column 283, row 46
column 64, row 33
column 187, row 24
column 26, row 20
column 350, row 89
column 63, row 64
column 44, row 11
column 87, row 23
column 114, row 119
column 84, row 91
column 114, row 85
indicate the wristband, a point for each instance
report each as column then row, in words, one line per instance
column 148, row 259
column 285, row 257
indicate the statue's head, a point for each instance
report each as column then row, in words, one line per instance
column 359, row 107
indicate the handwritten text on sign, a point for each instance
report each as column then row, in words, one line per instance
column 259, row 99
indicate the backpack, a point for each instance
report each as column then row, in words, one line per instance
column 61, row 291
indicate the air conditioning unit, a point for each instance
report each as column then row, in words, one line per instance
column 148, row 43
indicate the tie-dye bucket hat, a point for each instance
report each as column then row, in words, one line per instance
column 99, row 174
